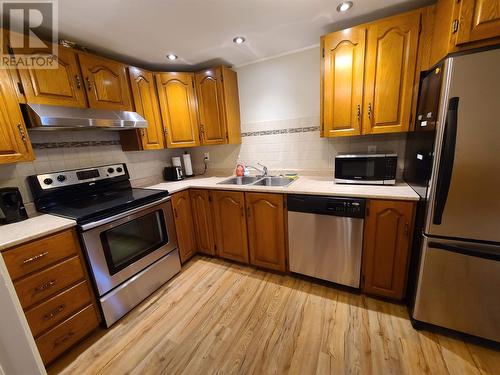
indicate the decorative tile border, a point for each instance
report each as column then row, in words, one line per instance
column 305, row 129
column 48, row 145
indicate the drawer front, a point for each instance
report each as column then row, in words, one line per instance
column 58, row 308
column 36, row 255
column 48, row 282
column 63, row 336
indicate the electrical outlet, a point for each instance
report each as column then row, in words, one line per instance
column 372, row 148
column 206, row 156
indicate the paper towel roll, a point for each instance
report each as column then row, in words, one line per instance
column 188, row 167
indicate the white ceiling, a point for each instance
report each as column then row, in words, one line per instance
column 200, row 32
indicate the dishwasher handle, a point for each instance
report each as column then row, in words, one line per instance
column 326, row 205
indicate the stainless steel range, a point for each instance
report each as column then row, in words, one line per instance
column 127, row 233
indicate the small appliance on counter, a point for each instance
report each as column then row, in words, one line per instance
column 369, row 169
column 11, row 206
column 172, row 173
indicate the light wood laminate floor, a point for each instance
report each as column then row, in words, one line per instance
column 220, row 317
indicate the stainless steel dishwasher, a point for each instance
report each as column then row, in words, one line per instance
column 325, row 236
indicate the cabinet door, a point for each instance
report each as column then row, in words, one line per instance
column 387, row 240
column 478, row 20
column 106, row 82
column 178, row 108
column 231, row 103
column 183, row 217
column 211, row 106
column 61, row 86
column 230, row 225
column 14, row 142
column 342, row 82
column 266, row 230
column 146, row 104
column 202, row 219
column 390, row 64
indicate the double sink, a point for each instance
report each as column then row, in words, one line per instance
column 258, row 181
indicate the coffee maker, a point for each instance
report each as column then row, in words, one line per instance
column 11, row 206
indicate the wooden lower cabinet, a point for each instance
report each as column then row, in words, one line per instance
column 203, row 221
column 183, row 218
column 54, row 291
column 386, row 249
column 266, row 230
column 230, row 225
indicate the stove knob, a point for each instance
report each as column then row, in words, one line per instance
column 48, row 181
column 61, row 178
column 119, row 169
column 111, row 170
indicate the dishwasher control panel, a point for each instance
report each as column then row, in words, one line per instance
column 324, row 205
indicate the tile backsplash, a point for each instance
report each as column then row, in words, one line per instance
column 60, row 150
column 294, row 145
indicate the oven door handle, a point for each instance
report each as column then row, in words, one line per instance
column 109, row 219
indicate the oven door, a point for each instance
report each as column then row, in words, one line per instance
column 360, row 169
column 123, row 245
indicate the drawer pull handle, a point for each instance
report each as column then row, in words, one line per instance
column 36, row 257
column 45, row 286
column 52, row 314
column 63, row 338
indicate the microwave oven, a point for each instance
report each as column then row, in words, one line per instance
column 374, row 169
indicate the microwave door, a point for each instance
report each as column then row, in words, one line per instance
column 464, row 199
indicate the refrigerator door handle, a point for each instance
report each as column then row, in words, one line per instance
column 484, row 253
column 446, row 160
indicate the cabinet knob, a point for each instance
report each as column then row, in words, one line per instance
column 78, row 82
column 22, row 133
column 89, row 84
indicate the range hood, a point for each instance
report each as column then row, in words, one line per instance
column 42, row 116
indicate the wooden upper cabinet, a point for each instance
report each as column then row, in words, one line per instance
column 61, row 86
column 266, row 230
column 477, row 20
column 146, row 104
column 14, row 142
column 230, row 225
column 183, row 217
column 342, row 82
column 211, row 106
column 390, row 64
column 231, row 105
column 178, row 108
column 386, row 247
column 106, row 82
column 202, row 219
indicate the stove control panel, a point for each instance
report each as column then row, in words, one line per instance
column 80, row 176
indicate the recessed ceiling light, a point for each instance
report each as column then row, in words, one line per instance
column 344, row 6
column 239, row 40
column 171, row 57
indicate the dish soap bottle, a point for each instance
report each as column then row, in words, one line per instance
column 240, row 168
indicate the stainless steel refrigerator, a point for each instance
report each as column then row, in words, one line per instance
column 458, row 270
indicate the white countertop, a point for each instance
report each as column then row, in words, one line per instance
column 314, row 185
column 29, row 229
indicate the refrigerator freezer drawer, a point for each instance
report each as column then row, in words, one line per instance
column 459, row 287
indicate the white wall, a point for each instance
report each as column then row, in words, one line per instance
column 280, row 99
column 18, row 352
column 285, row 87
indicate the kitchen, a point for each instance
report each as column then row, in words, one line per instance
column 315, row 204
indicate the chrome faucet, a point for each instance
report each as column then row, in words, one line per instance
column 263, row 170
